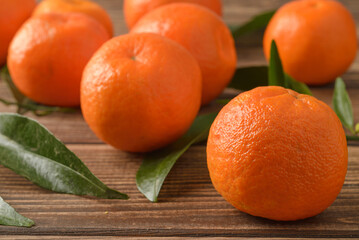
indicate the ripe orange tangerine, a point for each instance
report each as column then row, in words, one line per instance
column 13, row 13
column 135, row 9
column 141, row 92
column 277, row 154
column 87, row 7
column 316, row 39
column 48, row 54
column 203, row 34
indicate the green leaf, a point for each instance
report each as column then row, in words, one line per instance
column 275, row 72
column 30, row 150
column 277, row 76
column 256, row 23
column 223, row 101
column 297, row 86
column 343, row 105
column 23, row 103
column 9, row 217
column 158, row 164
column 357, row 128
column 249, row 77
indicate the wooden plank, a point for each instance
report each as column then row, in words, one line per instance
column 189, row 206
column 137, row 238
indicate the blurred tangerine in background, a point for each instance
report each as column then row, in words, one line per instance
column 48, row 54
column 135, row 9
column 204, row 34
column 316, row 39
column 13, row 13
column 87, row 7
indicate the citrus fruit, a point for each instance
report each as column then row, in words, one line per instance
column 48, row 54
column 316, row 39
column 13, row 13
column 204, row 34
column 277, row 154
column 141, row 92
column 87, row 7
column 135, row 9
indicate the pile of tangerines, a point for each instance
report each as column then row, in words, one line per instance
column 271, row 152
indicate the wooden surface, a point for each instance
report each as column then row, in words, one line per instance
column 188, row 204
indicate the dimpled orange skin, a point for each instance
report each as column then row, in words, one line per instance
column 135, row 9
column 13, row 13
column 201, row 32
column 316, row 39
column 141, row 92
column 87, row 7
column 48, row 54
column 277, row 154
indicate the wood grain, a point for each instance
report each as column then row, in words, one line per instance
column 139, row 238
column 189, row 206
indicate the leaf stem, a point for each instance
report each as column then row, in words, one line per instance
column 8, row 103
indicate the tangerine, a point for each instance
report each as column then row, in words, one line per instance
column 141, row 92
column 48, row 54
column 204, row 34
column 87, row 7
column 12, row 15
column 135, row 9
column 277, row 154
column 316, row 39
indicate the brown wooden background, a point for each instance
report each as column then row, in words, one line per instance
column 188, row 206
